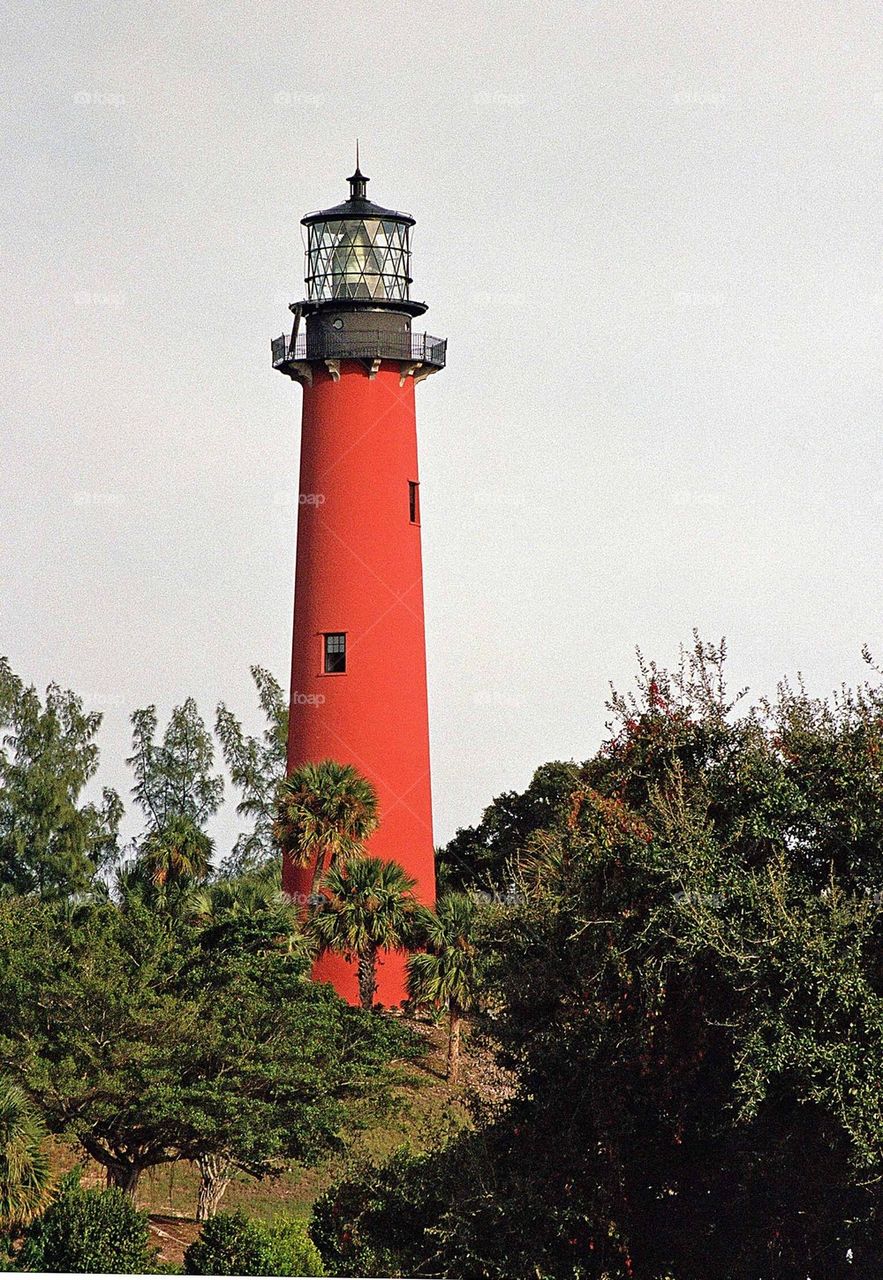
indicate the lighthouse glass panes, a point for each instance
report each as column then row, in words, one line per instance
column 358, row 258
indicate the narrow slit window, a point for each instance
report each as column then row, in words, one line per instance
column 335, row 652
column 414, row 501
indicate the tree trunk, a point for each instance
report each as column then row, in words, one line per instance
column 368, row 977
column 119, row 1170
column 455, row 1021
column 214, row 1173
column 124, row 1176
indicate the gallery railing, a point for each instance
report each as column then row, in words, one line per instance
column 361, row 345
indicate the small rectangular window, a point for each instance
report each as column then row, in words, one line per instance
column 335, row 652
column 414, row 501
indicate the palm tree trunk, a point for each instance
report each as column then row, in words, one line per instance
column 214, row 1175
column 455, row 1022
column 318, row 872
column 368, row 976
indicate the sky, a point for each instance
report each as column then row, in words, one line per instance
column 649, row 232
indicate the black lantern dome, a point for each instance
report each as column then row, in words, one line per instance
column 359, row 252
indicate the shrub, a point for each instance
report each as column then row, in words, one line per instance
column 373, row 1221
column 229, row 1244
column 232, row 1244
column 291, row 1252
column 88, row 1231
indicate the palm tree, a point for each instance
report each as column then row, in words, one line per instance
column 24, row 1165
column 179, row 851
column 326, row 813
column 366, row 906
column 445, row 974
column 254, row 900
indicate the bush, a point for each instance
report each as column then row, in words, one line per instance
column 88, row 1231
column 291, row 1252
column 232, row 1244
column 373, row 1221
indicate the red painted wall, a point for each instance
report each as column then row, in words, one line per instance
column 359, row 571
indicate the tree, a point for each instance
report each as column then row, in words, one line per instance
column 365, row 906
column 244, row 894
column 174, row 778
column 250, row 903
column 24, row 1164
column 257, row 768
column 689, row 987
column 250, row 908
column 177, row 852
column 149, row 1040
column 481, row 857
column 254, row 905
column 50, row 843
column 326, row 813
column 445, row 974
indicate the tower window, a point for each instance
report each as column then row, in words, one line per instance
column 414, row 501
column 335, row 652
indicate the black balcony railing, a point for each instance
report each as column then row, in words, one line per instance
column 367, row 345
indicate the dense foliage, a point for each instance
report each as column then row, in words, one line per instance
column 690, row 990
column 156, row 1008
column 88, row 1231
column 51, row 842
column 232, row 1244
column 150, row 1039
column 674, row 947
column 326, row 811
column 482, row 857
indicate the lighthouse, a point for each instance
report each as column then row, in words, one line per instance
column 358, row 668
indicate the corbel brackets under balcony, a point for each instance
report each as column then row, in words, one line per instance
column 300, row 371
column 415, row 369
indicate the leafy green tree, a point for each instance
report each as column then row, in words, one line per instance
column 326, row 813
column 365, row 906
column 233, row 1244
column 374, row 1220
column 481, row 857
column 257, row 768
column 24, row 1164
column 445, row 974
column 688, row 985
column 88, row 1231
column 174, row 777
column 148, row 1040
column 255, row 906
column 50, row 843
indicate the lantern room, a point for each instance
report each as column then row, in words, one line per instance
column 358, row 250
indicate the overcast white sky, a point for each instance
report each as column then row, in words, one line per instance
column 652, row 235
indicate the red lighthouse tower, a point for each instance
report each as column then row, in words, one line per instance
column 358, row 670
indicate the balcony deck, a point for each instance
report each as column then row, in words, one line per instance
column 411, row 348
